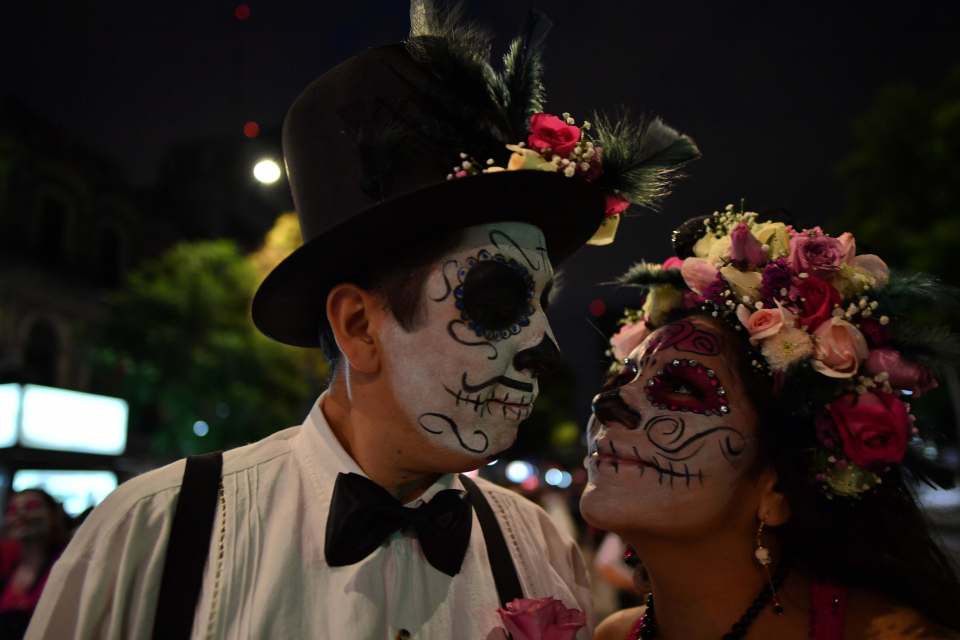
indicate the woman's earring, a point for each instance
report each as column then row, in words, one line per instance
column 762, row 555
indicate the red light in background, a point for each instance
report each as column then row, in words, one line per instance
column 251, row 129
column 242, row 12
column 597, row 308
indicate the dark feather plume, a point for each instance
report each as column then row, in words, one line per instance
column 457, row 53
column 649, row 274
column 519, row 86
column 641, row 157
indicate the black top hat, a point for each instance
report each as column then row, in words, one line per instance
column 368, row 179
column 368, row 148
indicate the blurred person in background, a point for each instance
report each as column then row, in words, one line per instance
column 35, row 532
column 752, row 441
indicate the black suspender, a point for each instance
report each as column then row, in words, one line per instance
column 501, row 562
column 193, row 525
column 188, row 546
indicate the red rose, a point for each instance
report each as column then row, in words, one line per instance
column 541, row 619
column 817, row 298
column 547, row 131
column 872, row 426
column 616, row 205
column 875, row 333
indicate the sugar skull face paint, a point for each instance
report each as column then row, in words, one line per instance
column 467, row 374
column 672, row 435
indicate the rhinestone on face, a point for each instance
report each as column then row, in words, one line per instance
column 691, row 363
column 721, row 391
column 724, row 409
column 675, row 363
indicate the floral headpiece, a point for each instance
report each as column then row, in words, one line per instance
column 829, row 326
column 630, row 160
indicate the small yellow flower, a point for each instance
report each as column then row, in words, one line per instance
column 745, row 284
column 528, row 159
column 661, row 300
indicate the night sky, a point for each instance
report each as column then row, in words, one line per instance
column 768, row 90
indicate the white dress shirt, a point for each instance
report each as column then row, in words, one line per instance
column 274, row 580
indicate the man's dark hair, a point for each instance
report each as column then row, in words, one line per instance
column 400, row 283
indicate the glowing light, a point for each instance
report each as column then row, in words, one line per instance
column 242, row 12
column 201, row 428
column 597, row 308
column 518, row 471
column 76, row 490
column 9, row 414
column 553, row 477
column 565, row 480
column 251, row 129
column 266, row 171
column 65, row 420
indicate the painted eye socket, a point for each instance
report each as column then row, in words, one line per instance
column 494, row 296
column 687, row 385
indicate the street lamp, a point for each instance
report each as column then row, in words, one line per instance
column 266, row 171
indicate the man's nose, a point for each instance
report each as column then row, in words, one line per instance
column 610, row 407
column 540, row 359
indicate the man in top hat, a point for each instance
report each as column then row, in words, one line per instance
column 428, row 290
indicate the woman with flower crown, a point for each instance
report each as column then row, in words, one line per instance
column 752, row 442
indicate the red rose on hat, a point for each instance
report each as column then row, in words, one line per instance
column 548, row 131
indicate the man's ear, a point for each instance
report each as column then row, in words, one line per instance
column 355, row 316
column 773, row 508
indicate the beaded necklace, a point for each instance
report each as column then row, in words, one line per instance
column 648, row 622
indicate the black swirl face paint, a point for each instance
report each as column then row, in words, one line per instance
column 465, row 374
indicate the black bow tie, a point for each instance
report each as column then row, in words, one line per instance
column 363, row 514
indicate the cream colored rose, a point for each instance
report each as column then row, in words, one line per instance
column 661, row 300
column 720, row 251
column 840, row 348
column 775, row 236
column 744, row 283
column 701, row 248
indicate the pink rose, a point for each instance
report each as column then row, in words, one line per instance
column 698, row 273
column 615, row 205
column 840, row 348
column 903, row 374
column 849, row 246
column 764, row 323
column 745, row 249
column 541, row 619
column 672, row 263
column 875, row 266
column 817, row 298
column 815, row 254
column 628, row 338
column 548, row 131
column 872, row 426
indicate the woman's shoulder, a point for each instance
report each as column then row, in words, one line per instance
column 617, row 625
column 877, row 617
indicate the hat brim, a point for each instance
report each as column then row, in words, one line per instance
column 290, row 304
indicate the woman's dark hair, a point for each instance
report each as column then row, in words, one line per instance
column 880, row 541
column 401, row 284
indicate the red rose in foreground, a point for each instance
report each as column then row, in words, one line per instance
column 550, row 131
column 541, row 619
column 872, row 426
column 817, row 300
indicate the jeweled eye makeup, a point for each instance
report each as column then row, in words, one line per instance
column 687, row 385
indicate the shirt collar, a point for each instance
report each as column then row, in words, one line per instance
column 326, row 457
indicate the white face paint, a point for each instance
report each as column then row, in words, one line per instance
column 671, row 438
column 457, row 375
